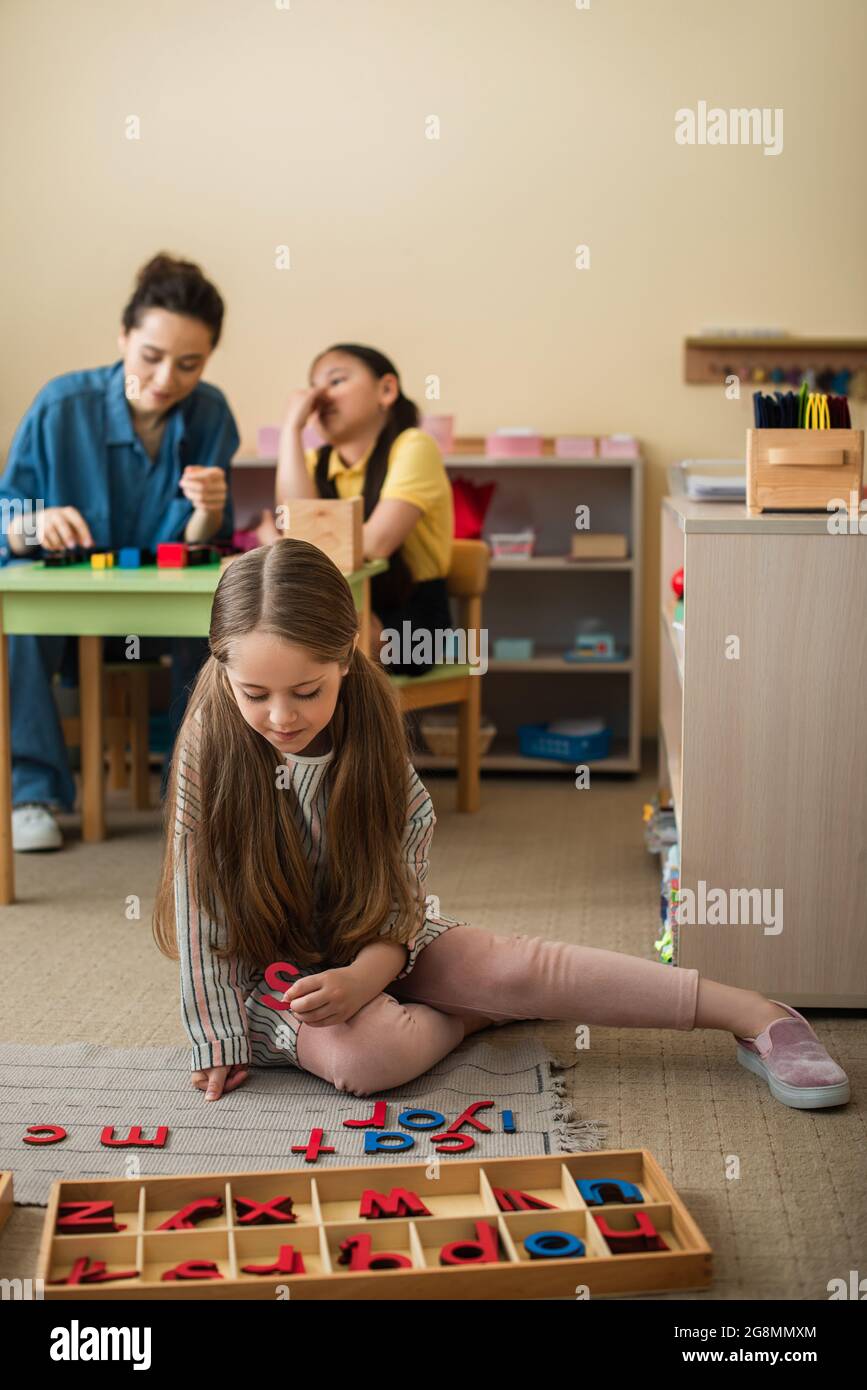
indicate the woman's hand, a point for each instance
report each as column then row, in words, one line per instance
column 328, row 998
column 59, row 528
column 214, row 1081
column 205, row 487
column 300, row 406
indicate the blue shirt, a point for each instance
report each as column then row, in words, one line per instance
column 76, row 447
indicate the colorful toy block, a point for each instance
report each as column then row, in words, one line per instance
column 172, row 555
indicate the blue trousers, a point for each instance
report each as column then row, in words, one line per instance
column 40, row 766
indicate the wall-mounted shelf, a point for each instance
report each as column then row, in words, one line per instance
column 711, row 360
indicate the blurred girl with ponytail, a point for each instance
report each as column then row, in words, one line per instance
column 374, row 449
column 299, row 834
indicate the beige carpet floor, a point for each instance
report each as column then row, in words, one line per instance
column 540, row 858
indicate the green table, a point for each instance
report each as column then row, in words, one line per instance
column 77, row 601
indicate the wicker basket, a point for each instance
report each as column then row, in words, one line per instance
column 441, row 735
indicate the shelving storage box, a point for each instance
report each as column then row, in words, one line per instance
column 545, row 596
column 761, row 745
column 790, row 469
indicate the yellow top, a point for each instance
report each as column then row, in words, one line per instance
column 416, row 473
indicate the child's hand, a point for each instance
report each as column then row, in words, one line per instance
column 328, row 998
column 300, row 406
column 215, row 1080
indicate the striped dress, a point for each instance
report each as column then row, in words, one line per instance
column 221, row 999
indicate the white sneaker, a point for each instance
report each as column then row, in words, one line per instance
column 34, row 827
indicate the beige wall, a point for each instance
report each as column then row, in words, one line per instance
column 305, row 126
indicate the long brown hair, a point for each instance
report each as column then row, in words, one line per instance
column 249, row 866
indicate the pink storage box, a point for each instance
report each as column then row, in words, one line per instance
column 442, row 429
column 513, row 446
column 618, row 446
column 575, row 446
column 268, row 440
column 311, row 438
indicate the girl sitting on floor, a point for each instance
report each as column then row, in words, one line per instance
column 299, row 831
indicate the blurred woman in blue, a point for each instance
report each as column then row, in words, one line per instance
column 125, row 455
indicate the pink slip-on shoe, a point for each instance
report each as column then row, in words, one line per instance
column 788, row 1055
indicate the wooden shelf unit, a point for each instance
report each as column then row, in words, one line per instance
column 763, row 755
column 532, row 598
column 546, row 596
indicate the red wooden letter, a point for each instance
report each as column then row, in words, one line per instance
column 45, row 1134
column 271, row 1213
column 356, row 1253
column 86, row 1216
column 193, row 1269
column 289, row 1261
column 313, row 1148
column 272, row 977
column 399, row 1202
column 510, row 1199
column 485, row 1250
column 452, row 1143
column 192, row 1213
column 377, row 1120
column 467, row 1117
column 85, row 1272
column 642, row 1236
column 134, row 1138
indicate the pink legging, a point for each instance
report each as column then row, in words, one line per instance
column 468, row 979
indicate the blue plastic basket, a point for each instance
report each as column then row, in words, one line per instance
column 536, row 742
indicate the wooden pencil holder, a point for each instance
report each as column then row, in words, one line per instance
column 333, row 524
column 790, row 470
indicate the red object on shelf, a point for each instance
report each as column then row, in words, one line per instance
column 677, row 582
column 471, row 502
column 171, row 555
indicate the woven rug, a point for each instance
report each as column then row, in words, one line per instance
column 85, row 1087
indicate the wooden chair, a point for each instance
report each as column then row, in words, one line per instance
column 453, row 684
column 125, row 725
